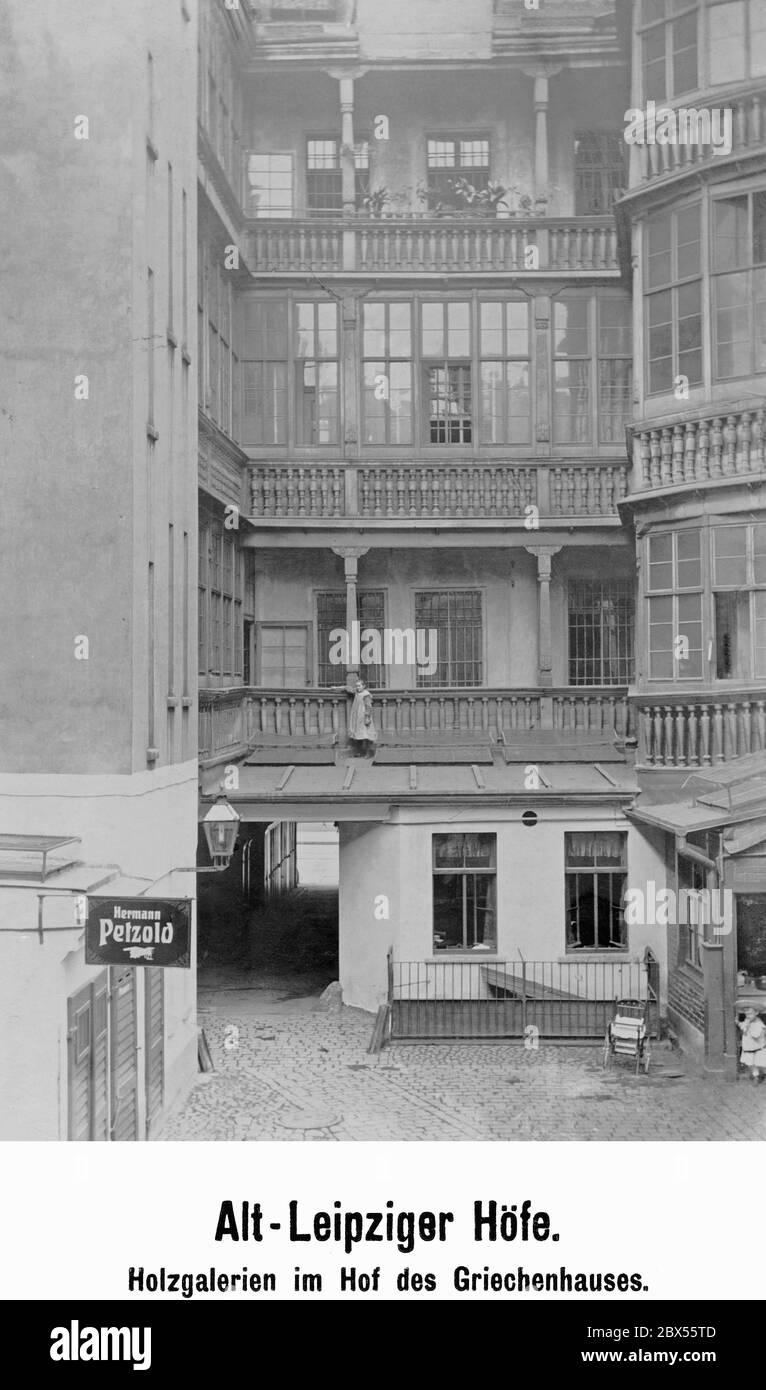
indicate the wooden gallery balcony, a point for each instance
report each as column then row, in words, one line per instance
column 714, row 449
column 410, row 492
column 231, row 721
column 422, row 246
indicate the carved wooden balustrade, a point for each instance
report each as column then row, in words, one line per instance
column 699, row 730
column 698, row 451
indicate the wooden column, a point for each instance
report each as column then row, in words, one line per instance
column 544, row 554
column 350, row 556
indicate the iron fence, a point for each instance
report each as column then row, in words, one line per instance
column 503, row 998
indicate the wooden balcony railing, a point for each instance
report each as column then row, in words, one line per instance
column 748, row 121
column 679, row 730
column 415, row 245
column 696, row 451
column 230, row 720
column 411, row 491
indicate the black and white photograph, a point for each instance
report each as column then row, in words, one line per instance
column 383, row 686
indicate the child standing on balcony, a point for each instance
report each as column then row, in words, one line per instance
column 360, row 726
column 753, row 1054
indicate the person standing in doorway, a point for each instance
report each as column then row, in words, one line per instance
column 361, row 728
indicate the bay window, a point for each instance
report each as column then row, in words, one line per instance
column 669, row 48
column 674, row 585
column 739, row 284
column 673, row 300
column 739, row 600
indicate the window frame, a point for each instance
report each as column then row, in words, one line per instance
column 300, row 624
column 675, row 592
column 373, row 682
column 463, row 872
column 386, row 363
column 674, row 287
column 437, row 189
column 627, row 633
column 596, row 870
column 425, row 682
column 751, row 269
column 594, row 358
column 675, row 12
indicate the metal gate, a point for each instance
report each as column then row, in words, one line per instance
column 503, row 999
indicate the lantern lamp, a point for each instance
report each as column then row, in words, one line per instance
column 221, row 827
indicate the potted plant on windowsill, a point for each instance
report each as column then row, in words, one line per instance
column 375, row 201
column 480, row 202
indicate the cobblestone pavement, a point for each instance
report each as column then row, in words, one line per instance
column 285, row 1070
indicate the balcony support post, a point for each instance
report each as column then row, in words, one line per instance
column 350, row 556
column 348, row 169
column 544, row 555
column 541, row 77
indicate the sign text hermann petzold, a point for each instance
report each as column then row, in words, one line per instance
column 138, row 931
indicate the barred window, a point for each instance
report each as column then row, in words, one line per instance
column 600, row 171
column 601, row 626
column 331, row 616
column 595, row 873
column 456, row 615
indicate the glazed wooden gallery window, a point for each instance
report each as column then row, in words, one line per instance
column 668, row 39
column 673, row 299
column 506, row 410
column 675, row 599
column 446, row 365
column 736, row 40
column 739, row 601
column 600, row 171
column 456, row 615
column 282, row 655
column 310, row 330
column 739, row 285
column 387, row 346
column 600, row 632
column 596, row 867
column 465, row 892
column 592, row 369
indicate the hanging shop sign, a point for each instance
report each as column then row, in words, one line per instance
column 138, row 931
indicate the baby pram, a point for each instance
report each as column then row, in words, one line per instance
column 627, row 1035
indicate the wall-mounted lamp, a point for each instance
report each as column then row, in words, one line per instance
column 221, row 825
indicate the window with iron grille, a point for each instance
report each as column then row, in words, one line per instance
column 600, row 632
column 456, row 615
column 445, row 340
column 387, row 339
column 506, row 407
column 331, row 616
column 465, row 892
column 595, row 874
column 600, row 170
column 673, row 298
column 452, row 157
column 324, row 175
column 668, row 37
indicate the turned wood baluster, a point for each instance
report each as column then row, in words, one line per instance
column 655, row 472
column 678, row 454
column 760, row 725
column 666, row 455
column 748, row 742
column 730, row 731
column 400, row 486
column 703, row 450
column 389, row 493
column 442, row 716
column 693, row 752
column 412, row 491
column 513, row 717
column 499, row 713
column 704, row 735
column 377, row 484
column 729, row 463
column 668, row 735
column 312, row 493
column 757, row 441
column 743, row 443
column 716, row 447
column 528, row 721
column 657, row 734
column 278, row 714
column 484, row 714
column 643, row 738
column 690, row 451
column 270, row 498
column 557, row 486
column 718, row 748
column 680, row 736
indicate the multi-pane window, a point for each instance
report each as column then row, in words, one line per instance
column 600, row 171
column 692, row 882
column 596, row 866
column 220, row 599
column 324, row 175
column 331, row 617
column 505, row 384
column 456, row 616
column 264, row 370
column 453, row 157
column 736, row 39
column 387, row 346
column 673, row 303
column 674, row 586
column 739, row 599
column 282, row 655
column 600, row 632
column 270, row 185
column 465, row 892
column 739, row 284
column 446, row 361
column 668, row 38
column 588, row 407
column 315, row 347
